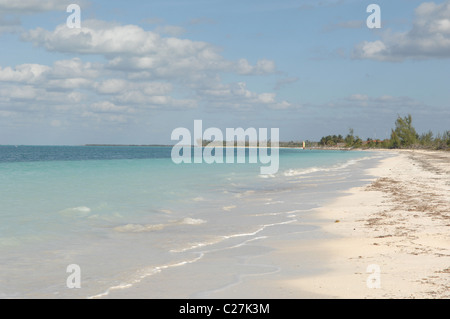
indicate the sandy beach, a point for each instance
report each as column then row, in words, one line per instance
column 392, row 237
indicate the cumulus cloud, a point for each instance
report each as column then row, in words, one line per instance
column 70, row 74
column 141, row 71
column 73, row 86
column 24, row 73
column 84, row 89
column 111, row 86
column 129, row 47
column 112, row 40
column 429, row 37
column 76, row 68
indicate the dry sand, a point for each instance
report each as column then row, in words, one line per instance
column 399, row 225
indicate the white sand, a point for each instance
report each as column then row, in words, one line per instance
column 400, row 223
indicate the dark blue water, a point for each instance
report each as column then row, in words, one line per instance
column 79, row 153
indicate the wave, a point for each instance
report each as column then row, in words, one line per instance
column 258, row 230
column 76, row 211
column 191, row 221
column 222, row 238
column 267, row 176
column 144, row 273
column 228, row 208
column 197, row 245
column 274, row 203
column 150, row 271
column 297, row 172
column 138, row 228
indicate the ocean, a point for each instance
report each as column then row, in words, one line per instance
column 127, row 215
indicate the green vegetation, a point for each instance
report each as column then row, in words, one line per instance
column 331, row 140
column 403, row 136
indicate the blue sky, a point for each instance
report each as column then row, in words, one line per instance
column 136, row 70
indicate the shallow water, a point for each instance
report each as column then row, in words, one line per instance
column 125, row 214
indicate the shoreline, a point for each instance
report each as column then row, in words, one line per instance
column 252, row 264
column 398, row 225
column 392, row 211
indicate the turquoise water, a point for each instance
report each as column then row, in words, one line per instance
column 127, row 213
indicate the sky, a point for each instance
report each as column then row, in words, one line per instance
column 136, row 70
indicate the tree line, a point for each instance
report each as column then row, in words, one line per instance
column 404, row 135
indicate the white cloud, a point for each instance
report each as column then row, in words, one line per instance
column 105, row 117
column 76, row 68
column 238, row 96
column 65, row 74
column 108, row 107
column 263, row 66
column 69, row 84
column 110, row 39
column 33, row 5
column 142, row 71
column 131, row 48
column 429, row 37
column 21, row 93
column 267, row 98
column 25, row 73
column 111, row 86
column 156, row 88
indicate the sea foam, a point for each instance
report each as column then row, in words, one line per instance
column 138, row 228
